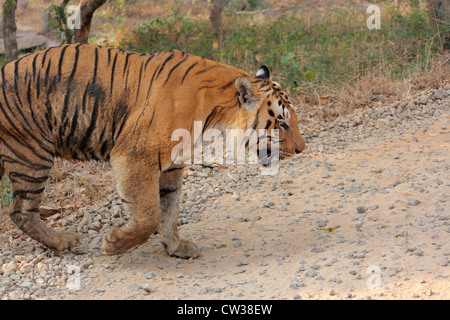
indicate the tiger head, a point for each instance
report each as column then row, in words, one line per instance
column 268, row 107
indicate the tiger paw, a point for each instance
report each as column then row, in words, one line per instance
column 63, row 240
column 187, row 249
column 118, row 241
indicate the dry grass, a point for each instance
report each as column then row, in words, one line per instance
column 328, row 103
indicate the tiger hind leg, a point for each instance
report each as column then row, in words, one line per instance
column 170, row 197
column 138, row 188
column 27, row 193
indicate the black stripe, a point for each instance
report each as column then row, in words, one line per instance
column 18, row 134
column 109, row 55
column 16, row 89
column 255, row 123
column 206, row 87
column 33, row 65
column 153, row 116
column 159, row 159
column 148, row 60
column 83, row 100
column 21, row 193
column 73, row 126
column 104, row 148
column 69, row 84
column 112, row 71
column 44, row 57
column 32, row 111
column 61, row 58
column 171, row 169
column 95, row 66
column 91, row 127
column 164, row 64
column 149, row 88
column 38, row 85
column 176, row 66
column 24, row 177
column 139, row 83
column 228, row 85
column 268, row 123
column 210, row 117
column 126, row 63
column 32, row 166
column 120, row 129
column 187, row 71
column 165, row 191
column 208, row 69
column 47, row 72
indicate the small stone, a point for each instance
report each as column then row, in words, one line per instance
column 146, row 288
column 443, row 263
column 10, row 267
column 311, row 273
column 413, row 202
column 268, row 204
column 237, row 243
column 317, row 249
column 361, row 209
column 423, row 99
column 315, row 266
column 149, row 275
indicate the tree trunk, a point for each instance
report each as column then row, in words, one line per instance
column 438, row 13
column 215, row 18
column 87, row 9
column 9, row 30
column 67, row 31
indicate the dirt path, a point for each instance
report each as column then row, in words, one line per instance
column 384, row 200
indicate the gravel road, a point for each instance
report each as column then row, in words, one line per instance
column 362, row 214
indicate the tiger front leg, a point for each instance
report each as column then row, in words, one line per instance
column 138, row 188
column 170, row 196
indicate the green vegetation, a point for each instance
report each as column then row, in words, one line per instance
column 5, row 193
column 312, row 49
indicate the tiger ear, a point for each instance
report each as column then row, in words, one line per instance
column 246, row 93
column 263, row 73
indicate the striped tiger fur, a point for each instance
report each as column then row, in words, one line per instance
column 83, row 102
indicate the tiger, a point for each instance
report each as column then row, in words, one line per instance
column 86, row 102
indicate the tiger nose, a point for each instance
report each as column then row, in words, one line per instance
column 297, row 151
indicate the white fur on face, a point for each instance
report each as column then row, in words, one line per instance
column 281, row 110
